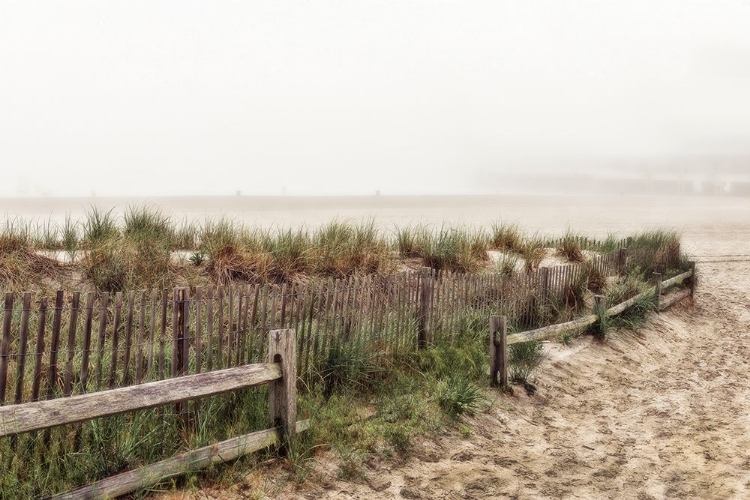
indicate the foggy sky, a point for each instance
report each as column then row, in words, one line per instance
column 335, row 97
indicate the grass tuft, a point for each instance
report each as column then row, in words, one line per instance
column 523, row 359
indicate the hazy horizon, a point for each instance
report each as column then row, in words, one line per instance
column 347, row 98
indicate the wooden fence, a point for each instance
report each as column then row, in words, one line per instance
column 279, row 372
column 83, row 343
column 500, row 339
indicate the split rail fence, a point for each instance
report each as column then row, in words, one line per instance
column 279, row 372
column 84, row 343
column 500, row 339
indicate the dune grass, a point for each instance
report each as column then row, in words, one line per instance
column 363, row 402
column 136, row 250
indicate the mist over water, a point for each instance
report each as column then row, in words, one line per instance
column 329, row 98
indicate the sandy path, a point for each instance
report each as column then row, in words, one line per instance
column 660, row 414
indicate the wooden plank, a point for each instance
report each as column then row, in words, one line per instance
column 425, row 298
column 322, row 321
column 363, row 296
column 247, row 325
column 231, row 329
column 139, row 357
column 115, row 340
column 16, row 419
column 72, row 327
column 38, row 372
column 210, row 329
column 242, row 298
column 22, row 347
column 337, row 304
column 182, row 334
column 552, row 331
column 201, row 458
column 326, row 337
column 672, row 299
column 198, row 301
column 253, row 323
column 309, row 338
column 346, row 297
column 87, row 324
column 676, row 279
column 263, row 318
column 284, row 302
column 619, row 308
column 152, row 335
column 55, row 346
column 128, row 339
column 176, row 333
column 163, row 332
column 5, row 344
column 272, row 310
column 220, row 344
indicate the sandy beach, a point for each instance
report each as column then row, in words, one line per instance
column 657, row 414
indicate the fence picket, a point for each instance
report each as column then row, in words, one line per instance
column 22, row 347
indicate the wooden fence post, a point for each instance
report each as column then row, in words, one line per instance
column 5, row 344
column 181, row 348
column 183, row 335
column 692, row 282
column 425, row 296
column 657, row 293
column 599, row 305
column 498, row 351
column 282, row 394
column 544, row 283
column 622, row 261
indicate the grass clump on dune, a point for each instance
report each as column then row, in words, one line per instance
column 570, row 247
column 341, row 249
column 506, row 237
column 138, row 256
column 22, row 268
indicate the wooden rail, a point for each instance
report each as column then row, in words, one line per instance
column 553, row 331
column 280, row 372
column 201, row 458
column 26, row 417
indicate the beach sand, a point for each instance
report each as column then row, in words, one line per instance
column 662, row 413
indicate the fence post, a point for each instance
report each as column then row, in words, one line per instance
column 282, row 394
column 657, row 293
column 183, row 335
column 622, row 261
column 692, row 282
column 598, row 304
column 425, row 300
column 498, row 351
column 5, row 343
column 544, row 282
column 600, row 312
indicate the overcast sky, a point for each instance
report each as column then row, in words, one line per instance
column 333, row 97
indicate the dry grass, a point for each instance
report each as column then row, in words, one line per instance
column 22, row 268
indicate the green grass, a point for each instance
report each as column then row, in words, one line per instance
column 523, row 360
column 506, row 237
column 365, row 398
column 570, row 247
column 78, row 454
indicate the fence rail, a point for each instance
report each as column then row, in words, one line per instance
column 280, row 373
column 500, row 339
